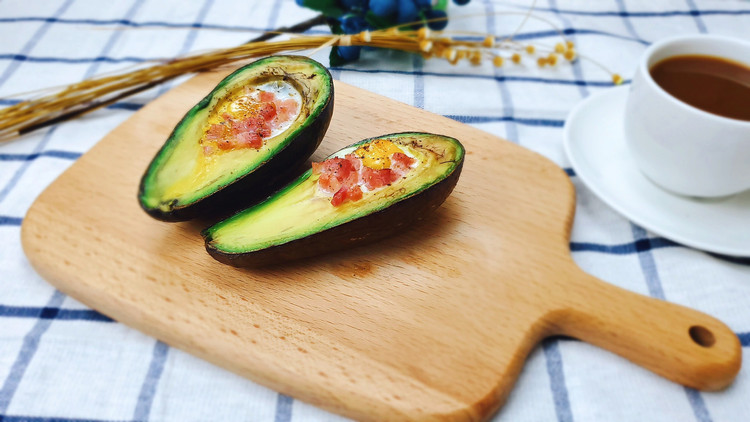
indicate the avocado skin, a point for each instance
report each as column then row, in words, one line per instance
column 368, row 229
column 256, row 185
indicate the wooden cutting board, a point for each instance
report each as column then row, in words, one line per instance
column 432, row 325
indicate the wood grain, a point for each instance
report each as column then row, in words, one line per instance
column 434, row 324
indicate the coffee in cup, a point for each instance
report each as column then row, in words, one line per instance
column 687, row 119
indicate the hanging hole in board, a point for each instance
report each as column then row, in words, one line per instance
column 702, row 336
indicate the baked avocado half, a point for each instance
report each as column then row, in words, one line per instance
column 365, row 192
column 245, row 139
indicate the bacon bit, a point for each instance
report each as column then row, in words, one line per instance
column 346, row 194
column 263, row 131
column 374, row 179
column 339, row 197
column 285, row 109
column 225, row 144
column 250, row 140
column 267, row 111
column 336, row 173
column 216, row 132
column 289, row 104
column 267, row 97
column 256, row 115
column 355, row 193
column 339, row 167
column 343, row 177
column 401, row 163
column 329, row 183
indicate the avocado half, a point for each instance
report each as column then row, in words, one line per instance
column 298, row 222
column 183, row 182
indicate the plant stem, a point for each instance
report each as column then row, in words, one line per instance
column 297, row 28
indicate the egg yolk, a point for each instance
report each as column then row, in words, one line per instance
column 376, row 155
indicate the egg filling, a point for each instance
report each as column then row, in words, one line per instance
column 250, row 116
column 370, row 167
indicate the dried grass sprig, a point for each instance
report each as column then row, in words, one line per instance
column 91, row 94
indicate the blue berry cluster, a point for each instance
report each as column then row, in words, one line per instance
column 355, row 16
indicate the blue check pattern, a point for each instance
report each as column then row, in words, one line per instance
column 60, row 361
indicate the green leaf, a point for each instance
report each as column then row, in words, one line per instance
column 335, row 25
column 335, row 58
column 379, row 21
column 327, row 7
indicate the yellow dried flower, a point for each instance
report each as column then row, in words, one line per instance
column 475, row 57
column 77, row 98
column 425, row 45
column 449, row 54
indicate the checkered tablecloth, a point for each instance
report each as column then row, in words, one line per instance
column 60, row 361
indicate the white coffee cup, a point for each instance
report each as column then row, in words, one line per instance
column 679, row 147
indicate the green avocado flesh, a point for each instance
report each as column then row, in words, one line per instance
column 183, row 175
column 300, row 211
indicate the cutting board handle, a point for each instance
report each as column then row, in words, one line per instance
column 681, row 344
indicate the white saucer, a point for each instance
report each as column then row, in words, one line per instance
column 595, row 144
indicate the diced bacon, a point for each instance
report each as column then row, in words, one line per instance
column 225, row 144
column 248, row 121
column 250, row 140
column 401, row 163
column 356, row 162
column 216, row 132
column 267, row 111
column 285, row 110
column 236, row 126
column 207, row 150
column 346, row 194
column 339, row 197
column 338, row 167
column 336, row 174
column 281, row 117
column 253, row 123
column 328, row 183
column 374, row 179
column 355, row 193
column 264, row 131
column 267, row 97
column 290, row 105
column 344, row 178
column 351, row 179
